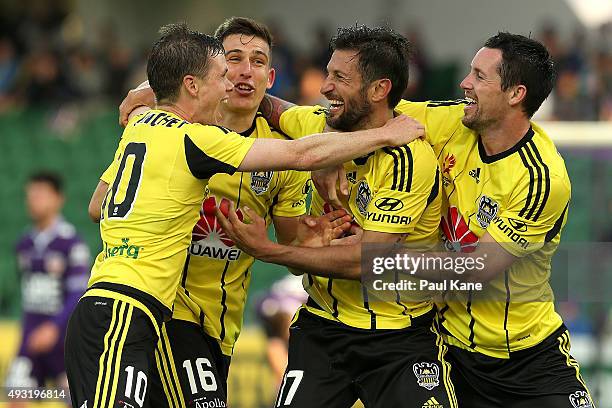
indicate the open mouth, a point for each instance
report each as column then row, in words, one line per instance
column 335, row 106
column 471, row 104
column 244, row 89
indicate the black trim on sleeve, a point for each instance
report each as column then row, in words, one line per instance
column 546, row 179
column 435, row 190
column 408, row 185
column 554, row 231
column 532, row 182
column 201, row 165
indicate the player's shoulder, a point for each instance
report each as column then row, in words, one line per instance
column 418, row 150
column 261, row 129
column 546, row 152
column 414, row 109
column 312, row 117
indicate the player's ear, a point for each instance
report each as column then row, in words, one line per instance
column 190, row 84
column 517, row 94
column 271, row 78
column 379, row 89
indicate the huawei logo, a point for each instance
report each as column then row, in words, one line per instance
column 207, row 227
column 457, row 234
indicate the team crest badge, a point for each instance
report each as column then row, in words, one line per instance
column 427, row 374
column 487, row 211
column 363, row 198
column 581, row 399
column 260, row 181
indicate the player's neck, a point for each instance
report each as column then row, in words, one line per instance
column 376, row 119
column 504, row 135
column 238, row 121
column 177, row 110
column 45, row 223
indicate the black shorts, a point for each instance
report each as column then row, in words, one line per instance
column 543, row 376
column 190, row 370
column 333, row 365
column 109, row 353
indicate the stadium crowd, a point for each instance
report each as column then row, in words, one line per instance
column 45, row 60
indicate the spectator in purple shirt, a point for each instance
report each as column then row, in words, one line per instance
column 54, row 265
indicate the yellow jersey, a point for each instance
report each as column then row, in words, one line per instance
column 393, row 190
column 156, row 187
column 216, row 274
column 521, row 198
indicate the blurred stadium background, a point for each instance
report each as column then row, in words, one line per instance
column 66, row 65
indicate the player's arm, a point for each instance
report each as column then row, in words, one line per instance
column 327, row 149
column 324, row 261
column 272, row 107
column 95, row 204
column 137, row 101
column 285, row 228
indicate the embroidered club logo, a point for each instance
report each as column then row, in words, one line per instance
column 207, row 228
column 581, row 399
column 487, row 210
column 427, row 374
column 363, row 197
column 448, row 163
column 260, row 181
column 457, row 236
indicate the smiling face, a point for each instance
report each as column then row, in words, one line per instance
column 345, row 90
column 248, row 62
column 213, row 89
column 482, row 87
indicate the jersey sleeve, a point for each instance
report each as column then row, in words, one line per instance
column 441, row 119
column 535, row 216
column 111, row 171
column 292, row 196
column 300, row 121
column 214, row 149
column 409, row 184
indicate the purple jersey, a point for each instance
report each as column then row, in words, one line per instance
column 54, row 266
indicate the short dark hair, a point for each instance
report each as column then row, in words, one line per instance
column 527, row 62
column 382, row 52
column 245, row 26
column 51, row 178
column 179, row 52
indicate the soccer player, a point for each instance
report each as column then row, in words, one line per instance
column 208, row 310
column 54, row 264
column 507, row 194
column 345, row 343
column 152, row 192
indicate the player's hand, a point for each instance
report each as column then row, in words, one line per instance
column 252, row 238
column 402, row 130
column 43, row 338
column 355, row 234
column 332, row 185
column 316, row 232
column 142, row 95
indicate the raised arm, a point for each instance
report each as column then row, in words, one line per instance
column 324, row 150
column 272, row 107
